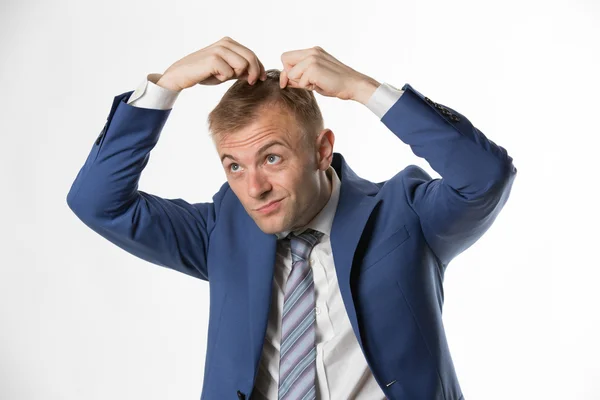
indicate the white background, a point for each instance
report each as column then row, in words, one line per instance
column 82, row 319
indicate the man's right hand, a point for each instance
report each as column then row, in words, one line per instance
column 212, row 65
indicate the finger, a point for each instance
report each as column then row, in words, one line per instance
column 237, row 62
column 305, row 81
column 290, row 58
column 283, row 79
column 263, row 71
column 224, row 70
column 299, row 69
column 254, row 65
column 293, row 84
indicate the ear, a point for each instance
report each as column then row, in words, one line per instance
column 324, row 149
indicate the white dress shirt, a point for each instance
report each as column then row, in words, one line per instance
column 149, row 95
column 342, row 370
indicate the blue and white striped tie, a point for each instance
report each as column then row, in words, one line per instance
column 297, row 369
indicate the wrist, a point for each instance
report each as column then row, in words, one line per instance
column 365, row 89
column 166, row 83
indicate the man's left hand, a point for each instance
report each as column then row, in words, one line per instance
column 315, row 69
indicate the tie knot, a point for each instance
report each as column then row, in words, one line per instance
column 302, row 244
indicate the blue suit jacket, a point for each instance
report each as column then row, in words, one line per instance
column 391, row 242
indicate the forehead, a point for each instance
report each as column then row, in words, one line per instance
column 271, row 125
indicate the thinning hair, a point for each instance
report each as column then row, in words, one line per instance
column 243, row 103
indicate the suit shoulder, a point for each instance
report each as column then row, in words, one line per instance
column 410, row 176
column 211, row 213
column 220, row 198
column 404, row 184
column 221, row 193
column 414, row 175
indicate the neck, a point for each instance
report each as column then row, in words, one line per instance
column 326, row 185
column 325, row 189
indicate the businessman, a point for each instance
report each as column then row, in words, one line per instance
column 323, row 285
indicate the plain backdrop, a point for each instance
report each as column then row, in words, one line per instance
column 82, row 319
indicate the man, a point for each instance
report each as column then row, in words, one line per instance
column 322, row 284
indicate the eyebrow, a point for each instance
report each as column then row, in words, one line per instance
column 261, row 150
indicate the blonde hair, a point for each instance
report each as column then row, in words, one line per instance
column 242, row 103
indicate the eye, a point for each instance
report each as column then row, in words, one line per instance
column 270, row 157
column 231, row 167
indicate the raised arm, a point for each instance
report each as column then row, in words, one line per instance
column 168, row 232
column 477, row 175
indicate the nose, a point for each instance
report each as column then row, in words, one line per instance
column 258, row 184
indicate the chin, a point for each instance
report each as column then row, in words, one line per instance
column 267, row 225
column 271, row 225
column 269, row 229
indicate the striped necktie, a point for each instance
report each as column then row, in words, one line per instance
column 297, row 369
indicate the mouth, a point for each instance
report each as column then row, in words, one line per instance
column 269, row 206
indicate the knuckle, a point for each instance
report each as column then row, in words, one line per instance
column 243, row 67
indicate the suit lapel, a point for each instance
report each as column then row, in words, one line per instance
column 353, row 211
column 260, row 268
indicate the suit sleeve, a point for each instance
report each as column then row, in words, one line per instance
column 476, row 174
column 168, row 232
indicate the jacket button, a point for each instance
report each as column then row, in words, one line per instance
column 241, row 395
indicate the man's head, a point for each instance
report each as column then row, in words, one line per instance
column 273, row 147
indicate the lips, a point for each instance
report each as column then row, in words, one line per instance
column 267, row 205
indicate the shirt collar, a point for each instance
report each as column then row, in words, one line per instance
column 323, row 221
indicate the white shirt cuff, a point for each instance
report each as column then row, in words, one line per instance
column 149, row 95
column 384, row 97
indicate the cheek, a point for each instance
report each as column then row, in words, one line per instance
column 301, row 190
column 283, row 182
